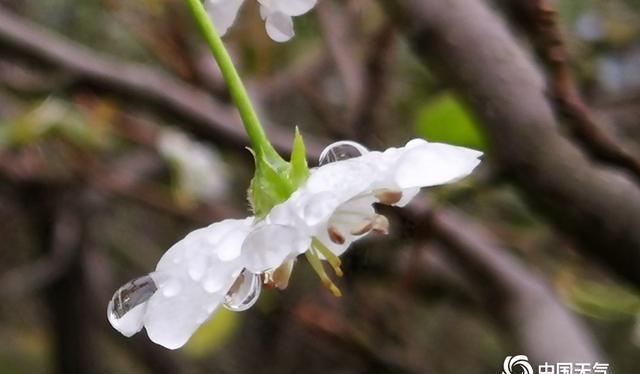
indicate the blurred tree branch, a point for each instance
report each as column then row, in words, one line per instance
column 537, row 321
column 197, row 111
column 539, row 20
column 59, row 223
column 466, row 42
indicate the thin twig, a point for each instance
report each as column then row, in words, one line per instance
column 540, row 20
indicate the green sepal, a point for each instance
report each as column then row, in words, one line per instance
column 299, row 171
column 268, row 187
column 275, row 179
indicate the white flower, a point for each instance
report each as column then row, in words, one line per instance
column 226, row 262
column 200, row 169
column 335, row 205
column 192, row 279
column 277, row 15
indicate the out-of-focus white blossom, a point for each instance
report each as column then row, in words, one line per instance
column 199, row 168
column 277, row 15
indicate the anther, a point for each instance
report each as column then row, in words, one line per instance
column 335, row 235
column 388, row 197
column 279, row 277
column 381, row 224
column 364, row 228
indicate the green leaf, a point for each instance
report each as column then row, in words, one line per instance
column 299, row 168
column 604, row 301
column 446, row 120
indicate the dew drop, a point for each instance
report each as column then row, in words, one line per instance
column 131, row 295
column 342, row 150
column 244, row 293
column 171, row 288
column 212, row 282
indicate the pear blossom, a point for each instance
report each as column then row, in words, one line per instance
column 335, row 205
column 227, row 262
column 277, row 15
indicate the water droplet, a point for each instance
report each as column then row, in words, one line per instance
column 197, row 268
column 213, row 282
column 244, row 293
column 131, row 295
column 341, row 150
column 171, row 288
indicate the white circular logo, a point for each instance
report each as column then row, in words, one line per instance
column 513, row 362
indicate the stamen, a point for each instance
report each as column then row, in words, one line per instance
column 335, row 235
column 279, row 277
column 331, row 257
column 381, row 224
column 388, row 197
column 364, row 228
column 316, row 264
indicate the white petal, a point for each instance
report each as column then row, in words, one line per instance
column 279, row 27
column 408, row 195
column 430, row 164
column 267, row 247
column 290, row 7
column 265, row 12
column 192, row 278
column 348, row 178
column 131, row 322
column 230, row 247
column 223, row 13
column 170, row 321
column 319, row 207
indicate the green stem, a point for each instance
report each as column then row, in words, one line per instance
column 259, row 140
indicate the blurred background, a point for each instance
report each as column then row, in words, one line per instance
column 117, row 138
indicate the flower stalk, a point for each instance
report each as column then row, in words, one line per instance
column 259, row 141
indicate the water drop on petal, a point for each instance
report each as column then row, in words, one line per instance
column 126, row 308
column 131, row 295
column 213, row 281
column 197, row 268
column 244, row 293
column 171, row 288
column 342, row 150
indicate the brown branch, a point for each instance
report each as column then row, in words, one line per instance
column 471, row 48
column 196, row 110
column 521, row 300
column 335, row 328
column 378, row 61
column 24, row 280
column 336, row 31
column 539, row 19
column 59, row 219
